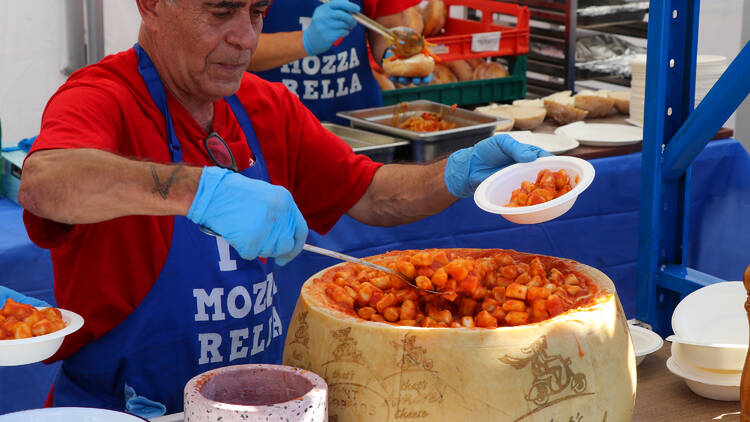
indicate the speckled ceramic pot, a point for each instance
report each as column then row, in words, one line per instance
column 248, row 393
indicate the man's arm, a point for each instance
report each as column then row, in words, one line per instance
column 79, row 186
column 277, row 49
column 403, row 193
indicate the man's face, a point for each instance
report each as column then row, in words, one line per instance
column 206, row 45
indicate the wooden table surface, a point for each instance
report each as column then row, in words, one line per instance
column 664, row 397
column 587, row 152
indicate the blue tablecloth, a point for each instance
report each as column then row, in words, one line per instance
column 600, row 230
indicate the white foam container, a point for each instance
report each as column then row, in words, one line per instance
column 35, row 349
column 69, row 414
column 495, row 191
column 710, row 386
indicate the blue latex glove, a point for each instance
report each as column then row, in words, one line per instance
column 6, row 293
column 330, row 22
column 257, row 218
column 141, row 406
column 403, row 80
column 468, row 167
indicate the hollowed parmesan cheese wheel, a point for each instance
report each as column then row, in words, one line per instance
column 578, row 365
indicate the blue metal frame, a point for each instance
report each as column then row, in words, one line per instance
column 673, row 135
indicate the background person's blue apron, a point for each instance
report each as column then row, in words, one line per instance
column 339, row 79
column 208, row 308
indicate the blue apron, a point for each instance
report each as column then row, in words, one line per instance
column 208, row 308
column 339, row 79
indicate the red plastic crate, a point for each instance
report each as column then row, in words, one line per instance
column 456, row 41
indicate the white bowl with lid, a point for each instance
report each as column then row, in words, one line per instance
column 494, row 193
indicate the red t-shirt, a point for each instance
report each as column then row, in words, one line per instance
column 103, row 271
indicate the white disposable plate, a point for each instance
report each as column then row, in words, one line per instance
column 713, row 315
column 634, row 122
column 705, row 386
column 30, row 350
column 645, row 342
column 495, row 191
column 69, row 414
column 602, row 134
column 552, row 143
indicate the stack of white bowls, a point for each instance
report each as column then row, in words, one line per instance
column 708, row 71
column 711, row 340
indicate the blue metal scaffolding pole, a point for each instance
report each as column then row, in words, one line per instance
column 673, row 135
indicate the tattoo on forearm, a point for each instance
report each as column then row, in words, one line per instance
column 162, row 188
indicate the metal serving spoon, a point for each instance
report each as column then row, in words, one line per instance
column 405, row 41
column 343, row 257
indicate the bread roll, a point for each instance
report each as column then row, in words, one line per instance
column 490, row 70
column 416, row 66
column 538, row 103
column 475, row 61
column 414, row 19
column 384, row 81
column 622, row 101
column 527, row 118
column 598, row 104
column 564, row 113
column 524, row 118
column 434, row 15
column 442, row 75
column 462, row 69
column 497, row 110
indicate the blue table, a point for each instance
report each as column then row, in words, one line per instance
column 600, row 230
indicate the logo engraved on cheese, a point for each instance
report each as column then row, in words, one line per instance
column 300, row 349
column 552, row 376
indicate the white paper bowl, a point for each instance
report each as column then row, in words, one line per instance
column 30, row 350
column 645, row 342
column 495, row 191
column 711, row 386
column 69, row 414
column 718, row 358
column 713, row 315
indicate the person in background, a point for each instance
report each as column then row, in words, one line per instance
column 168, row 183
column 320, row 52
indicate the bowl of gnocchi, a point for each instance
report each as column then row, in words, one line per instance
column 535, row 192
column 31, row 334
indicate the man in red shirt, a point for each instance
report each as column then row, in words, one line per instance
column 167, row 183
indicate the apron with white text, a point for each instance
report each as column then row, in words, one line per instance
column 338, row 79
column 208, row 308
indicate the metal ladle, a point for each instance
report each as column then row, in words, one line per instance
column 405, row 41
column 344, row 257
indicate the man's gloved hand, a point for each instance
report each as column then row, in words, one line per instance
column 257, row 218
column 403, row 80
column 6, row 293
column 468, row 167
column 330, row 22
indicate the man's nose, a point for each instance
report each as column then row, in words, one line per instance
column 243, row 34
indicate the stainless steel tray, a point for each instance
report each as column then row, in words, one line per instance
column 470, row 127
column 376, row 146
column 380, row 119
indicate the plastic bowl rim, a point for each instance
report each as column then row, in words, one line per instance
column 588, row 178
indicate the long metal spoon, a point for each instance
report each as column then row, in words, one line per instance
column 344, row 257
column 405, row 41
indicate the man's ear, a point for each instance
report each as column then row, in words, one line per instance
column 149, row 10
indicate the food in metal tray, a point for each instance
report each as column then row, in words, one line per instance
column 548, row 186
column 19, row 320
column 485, row 289
column 422, row 122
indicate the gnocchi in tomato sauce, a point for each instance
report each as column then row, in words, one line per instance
column 479, row 288
column 548, row 186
